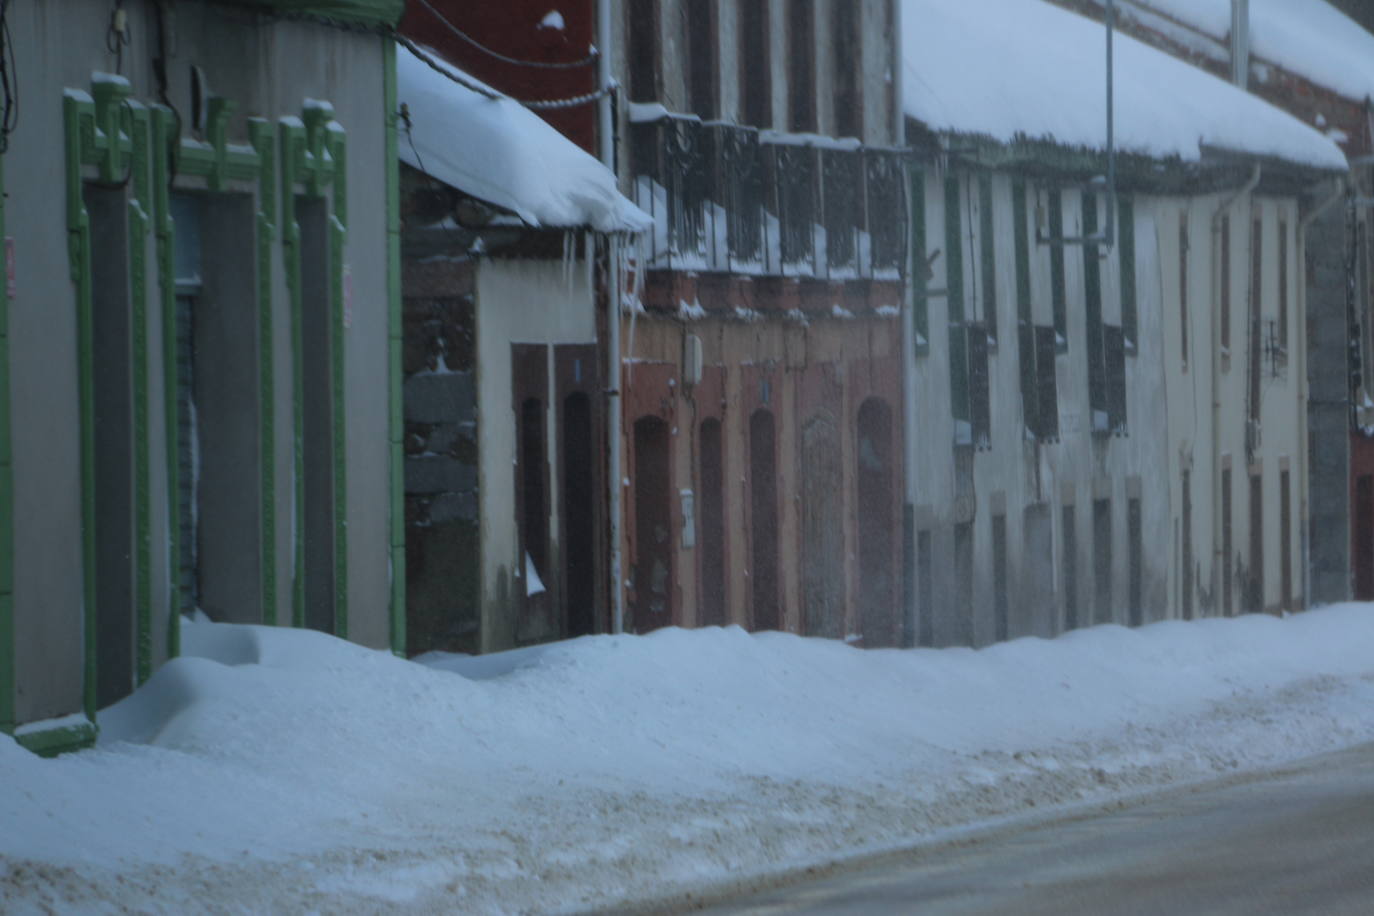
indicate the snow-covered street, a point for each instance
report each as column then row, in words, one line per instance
column 287, row 770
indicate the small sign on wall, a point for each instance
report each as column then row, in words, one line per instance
column 347, row 297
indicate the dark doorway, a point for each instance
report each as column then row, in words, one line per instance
column 1285, row 544
column 925, row 589
column 999, row 578
column 822, row 518
column 1255, row 598
column 1134, row 534
column 1187, row 545
column 534, row 501
column 763, row 533
column 711, row 543
column 579, row 515
column 1364, row 538
column 877, row 592
column 1035, row 599
column 1227, row 546
column 318, row 526
column 112, row 380
column 963, row 583
column 1069, row 568
column 1102, row 561
column 219, row 458
column 653, row 561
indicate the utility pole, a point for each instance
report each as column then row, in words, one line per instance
column 1240, row 43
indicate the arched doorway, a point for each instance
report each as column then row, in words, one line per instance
column 877, row 594
column 763, row 526
column 822, row 490
column 711, row 514
column 653, row 560
column 579, row 515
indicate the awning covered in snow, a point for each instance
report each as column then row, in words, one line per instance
column 497, row 150
column 1025, row 70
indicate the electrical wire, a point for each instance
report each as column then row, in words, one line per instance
column 537, row 64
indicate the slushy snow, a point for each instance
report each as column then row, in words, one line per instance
column 286, row 770
column 1023, row 69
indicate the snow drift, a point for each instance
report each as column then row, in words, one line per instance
column 285, row 769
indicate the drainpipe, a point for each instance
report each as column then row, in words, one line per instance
column 606, row 146
column 1217, row 521
column 915, row 263
column 1240, row 43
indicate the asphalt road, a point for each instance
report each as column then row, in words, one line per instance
column 1300, row 840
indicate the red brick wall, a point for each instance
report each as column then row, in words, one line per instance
column 512, row 28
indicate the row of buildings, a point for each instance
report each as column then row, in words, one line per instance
column 445, row 326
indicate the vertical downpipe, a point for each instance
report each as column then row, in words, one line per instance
column 606, row 147
column 1240, row 43
column 1109, row 231
column 915, row 262
column 395, row 423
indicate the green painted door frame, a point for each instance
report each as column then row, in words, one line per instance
column 395, row 416
column 7, row 681
column 314, row 164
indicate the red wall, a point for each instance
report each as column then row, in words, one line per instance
column 512, row 28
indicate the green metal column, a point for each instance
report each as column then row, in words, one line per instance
column 7, row 682
column 395, row 417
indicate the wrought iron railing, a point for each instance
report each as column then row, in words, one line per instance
column 731, row 198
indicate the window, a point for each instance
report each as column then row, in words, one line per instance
column 644, row 54
column 1114, row 355
column 987, row 257
column 1047, row 385
column 1058, row 297
column 1283, row 287
column 701, row 57
column 846, row 42
column 1125, row 241
column 970, row 388
column 801, row 46
column 920, row 279
column 1183, row 288
column 1092, row 307
column 756, row 79
column 1225, row 268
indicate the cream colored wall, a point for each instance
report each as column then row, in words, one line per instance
column 1017, row 473
column 1208, row 401
column 517, row 301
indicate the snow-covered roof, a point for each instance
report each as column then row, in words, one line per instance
column 1023, row 69
column 1308, row 37
column 499, row 151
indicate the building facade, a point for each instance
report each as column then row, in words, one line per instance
column 762, row 419
column 199, row 305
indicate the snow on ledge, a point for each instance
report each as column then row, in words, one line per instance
column 1023, row 69
column 503, row 153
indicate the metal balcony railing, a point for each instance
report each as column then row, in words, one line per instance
column 740, row 200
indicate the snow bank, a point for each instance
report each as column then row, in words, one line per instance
column 287, row 770
column 1011, row 69
column 1307, row 37
column 501, row 152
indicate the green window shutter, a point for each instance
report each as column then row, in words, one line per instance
column 987, row 254
column 1057, row 293
column 1092, row 308
column 954, row 252
column 1125, row 241
column 919, row 255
